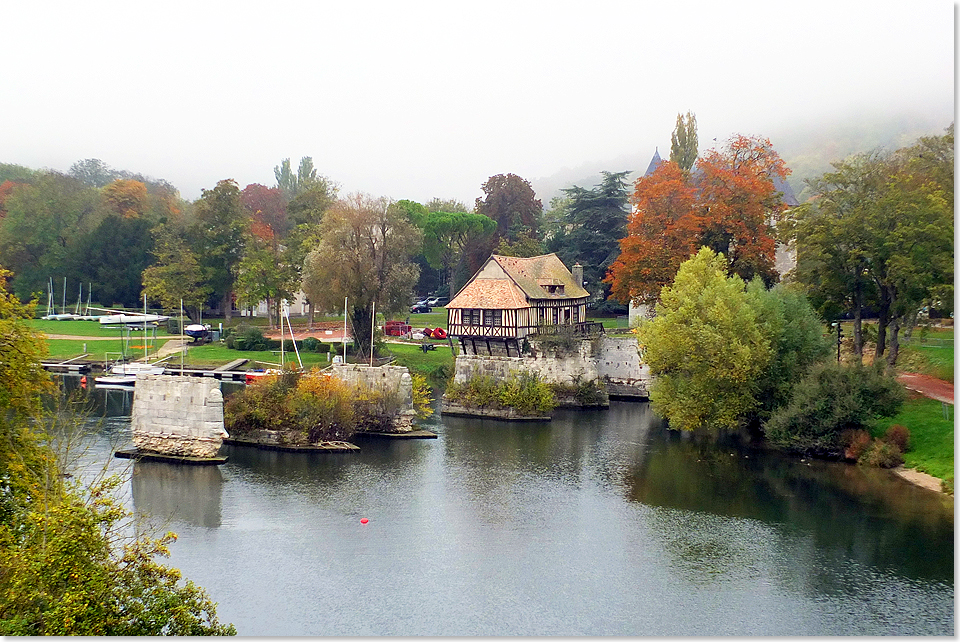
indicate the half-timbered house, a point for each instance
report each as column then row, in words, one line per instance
column 510, row 298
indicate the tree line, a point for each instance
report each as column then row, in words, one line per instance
column 877, row 236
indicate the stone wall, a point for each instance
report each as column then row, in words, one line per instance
column 613, row 361
column 391, row 380
column 620, row 368
column 180, row 416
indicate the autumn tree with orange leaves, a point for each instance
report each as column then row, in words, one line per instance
column 727, row 203
column 266, row 272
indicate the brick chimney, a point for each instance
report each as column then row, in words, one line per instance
column 577, row 274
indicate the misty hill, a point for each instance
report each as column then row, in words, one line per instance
column 807, row 150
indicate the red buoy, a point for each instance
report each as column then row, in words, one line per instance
column 364, row 520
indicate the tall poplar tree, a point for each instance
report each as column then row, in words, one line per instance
column 683, row 142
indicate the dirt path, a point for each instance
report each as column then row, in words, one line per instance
column 920, row 479
column 927, row 386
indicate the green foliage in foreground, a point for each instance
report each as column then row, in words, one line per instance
column 523, row 392
column 66, row 570
column 70, row 563
column 931, row 448
column 831, row 399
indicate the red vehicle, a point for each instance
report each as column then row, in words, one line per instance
column 396, row 328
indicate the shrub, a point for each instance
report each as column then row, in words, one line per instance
column 524, row 392
column 587, row 393
column 831, row 399
column 898, row 436
column 374, row 410
column 321, row 408
column 310, row 343
column 301, row 408
column 422, row 397
column 856, row 442
column 881, row 454
column 251, row 339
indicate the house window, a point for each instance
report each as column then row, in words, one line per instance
column 471, row 317
column 493, row 317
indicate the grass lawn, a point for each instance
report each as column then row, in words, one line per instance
column 62, row 349
column 437, row 364
column 435, row 319
column 85, row 328
column 930, row 352
column 931, row 436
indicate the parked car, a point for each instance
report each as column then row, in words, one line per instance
column 418, row 308
column 438, row 301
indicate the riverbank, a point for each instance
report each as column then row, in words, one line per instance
column 923, row 480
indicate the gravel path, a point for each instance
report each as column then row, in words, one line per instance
column 928, row 386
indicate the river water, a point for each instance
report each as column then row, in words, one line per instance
column 597, row 523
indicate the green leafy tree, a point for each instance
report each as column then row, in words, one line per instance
column 308, row 207
column 176, row 276
column 683, row 141
column 306, row 177
column 44, row 221
column 880, row 233
column 523, row 245
column 596, row 221
column 795, row 333
column 446, row 234
column 218, row 238
column 829, row 401
column 115, row 276
column 705, row 347
column 17, row 173
column 511, row 202
column 264, row 272
column 364, row 251
column 93, row 172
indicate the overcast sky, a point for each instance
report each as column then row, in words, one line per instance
column 428, row 99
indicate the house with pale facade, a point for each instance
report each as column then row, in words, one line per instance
column 510, row 298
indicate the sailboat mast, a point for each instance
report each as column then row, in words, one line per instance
column 146, row 352
column 373, row 325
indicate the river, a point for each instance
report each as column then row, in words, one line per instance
column 597, row 523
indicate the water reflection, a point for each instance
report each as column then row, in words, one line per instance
column 842, row 508
column 176, row 493
column 600, row 523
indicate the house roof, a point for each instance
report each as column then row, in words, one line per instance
column 654, row 163
column 510, row 282
column 490, row 294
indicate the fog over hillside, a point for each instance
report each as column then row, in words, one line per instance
column 807, row 148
